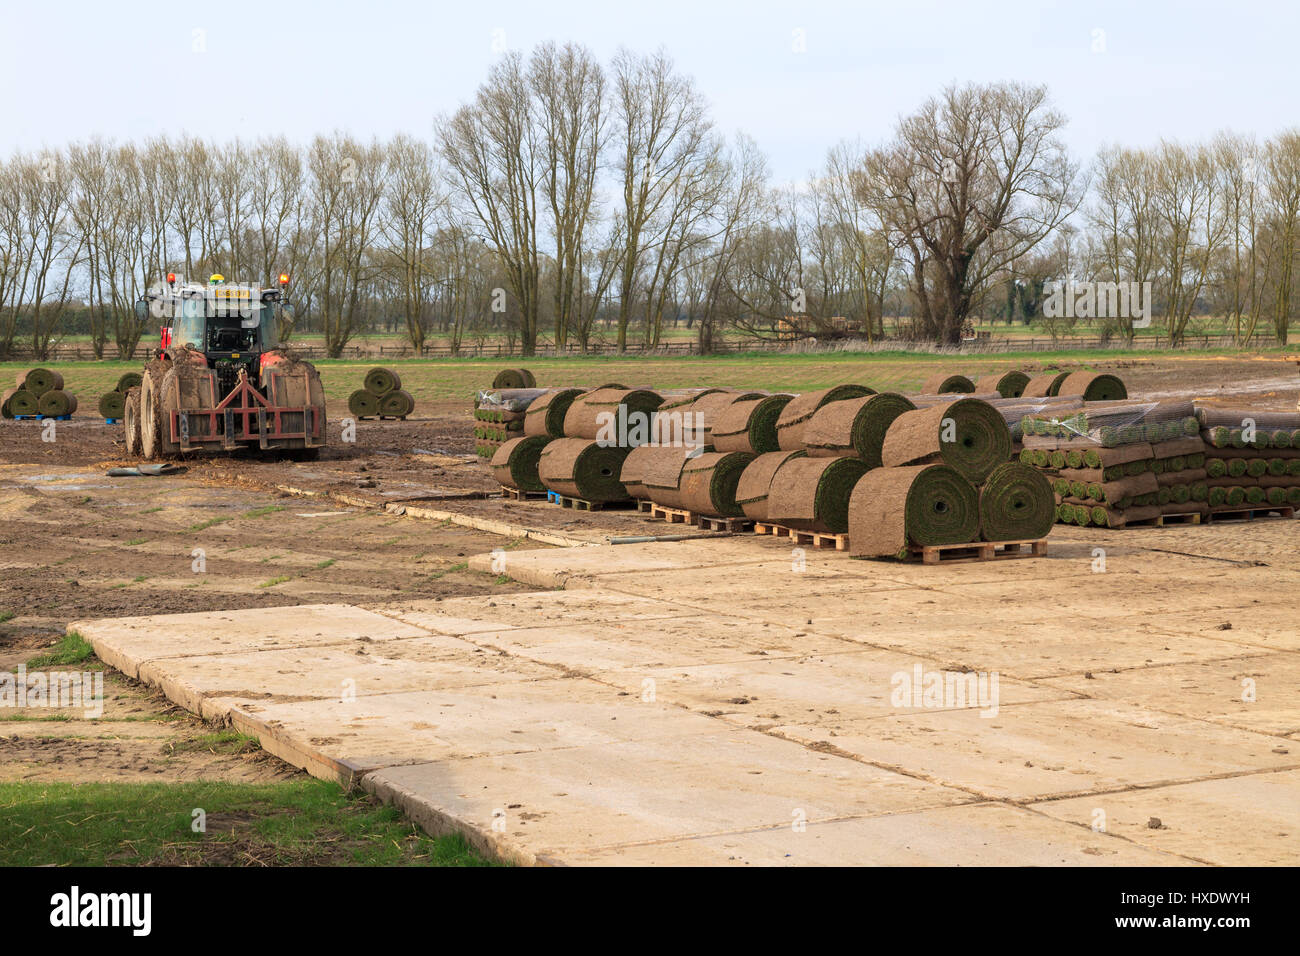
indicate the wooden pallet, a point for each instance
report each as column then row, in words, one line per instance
column 514, row 494
column 976, row 551
column 815, row 539
column 580, row 504
column 644, row 505
column 671, row 515
column 1253, row 513
column 731, row 525
column 1160, row 521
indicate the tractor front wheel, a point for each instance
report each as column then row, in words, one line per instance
column 131, row 421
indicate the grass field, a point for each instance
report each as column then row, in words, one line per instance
column 446, row 380
column 296, row 823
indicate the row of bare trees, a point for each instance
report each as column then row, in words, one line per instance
column 569, row 201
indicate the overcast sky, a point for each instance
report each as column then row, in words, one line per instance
column 798, row 77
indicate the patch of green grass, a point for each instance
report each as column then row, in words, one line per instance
column 71, row 649
column 139, row 577
column 134, row 541
column 323, row 565
column 274, row 581
column 299, row 822
column 502, row 579
column 218, row 742
column 204, row 525
column 149, row 511
column 271, row 557
column 259, row 512
column 460, row 566
column 22, row 718
column 7, row 616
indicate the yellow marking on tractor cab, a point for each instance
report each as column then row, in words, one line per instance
column 234, row 355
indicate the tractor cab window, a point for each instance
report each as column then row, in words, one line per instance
column 228, row 333
column 270, row 327
column 188, row 325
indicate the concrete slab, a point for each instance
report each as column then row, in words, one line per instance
column 488, row 719
column 1025, row 650
column 127, row 642
column 549, row 804
column 988, row 834
column 679, row 641
column 1252, row 693
column 1249, row 820
column 210, row 685
column 1047, row 749
column 459, row 616
column 808, row 689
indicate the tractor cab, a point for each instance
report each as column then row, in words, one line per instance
column 222, row 379
column 233, row 326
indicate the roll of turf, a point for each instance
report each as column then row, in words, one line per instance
column 1016, row 504
column 634, row 465
column 22, row 402
column 363, row 403
column 705, row 411
column 1045, row 385
column 396, row 404
column 545, row 416
column 582, row 468
column 892, row 508
column 514, row 378
column 1007, row 384
column 855, row 427
column 381, row 381
column 615, row 415
column 658, row 472
column 4, row 402
column 941, row 383
column 708, row 484
column 812, row 494
column 128, row 380
column 112, row 404
column 1093, row 387
column 38, row 381
column 750, row 425
column 1214, row 416
column 56, row 403
column 515, row 463
column 968, row 435
column 795, row 415
column 756, row 481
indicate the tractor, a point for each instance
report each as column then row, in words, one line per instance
column 220, row 379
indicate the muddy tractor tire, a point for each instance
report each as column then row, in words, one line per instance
column 149, row 419
column 169, row 400
column 131, row 421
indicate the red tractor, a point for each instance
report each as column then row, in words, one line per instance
column 220, row 379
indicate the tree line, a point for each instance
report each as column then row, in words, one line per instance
column 571, row 201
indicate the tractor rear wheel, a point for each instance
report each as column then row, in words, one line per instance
column 131, row 421
column 169, row 400
column 149, row 418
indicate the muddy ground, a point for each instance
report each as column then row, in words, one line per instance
column 239, row 531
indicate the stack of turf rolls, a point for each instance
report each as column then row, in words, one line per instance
column 1252, row 458
column 946, row 478
column 381, row 395
column 1116, row 464
column 112, row 405
column 600, row 428
column 826, row 441
column 38, row 392
column 500, row 416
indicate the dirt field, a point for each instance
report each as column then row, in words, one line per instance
column 238, row 532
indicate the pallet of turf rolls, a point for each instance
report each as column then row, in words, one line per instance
column 1252, row 462
column 1121, row 464
column 381, row 396
column 112, row 405
column 946, row 491
column 500, row 417
column 38, row 393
